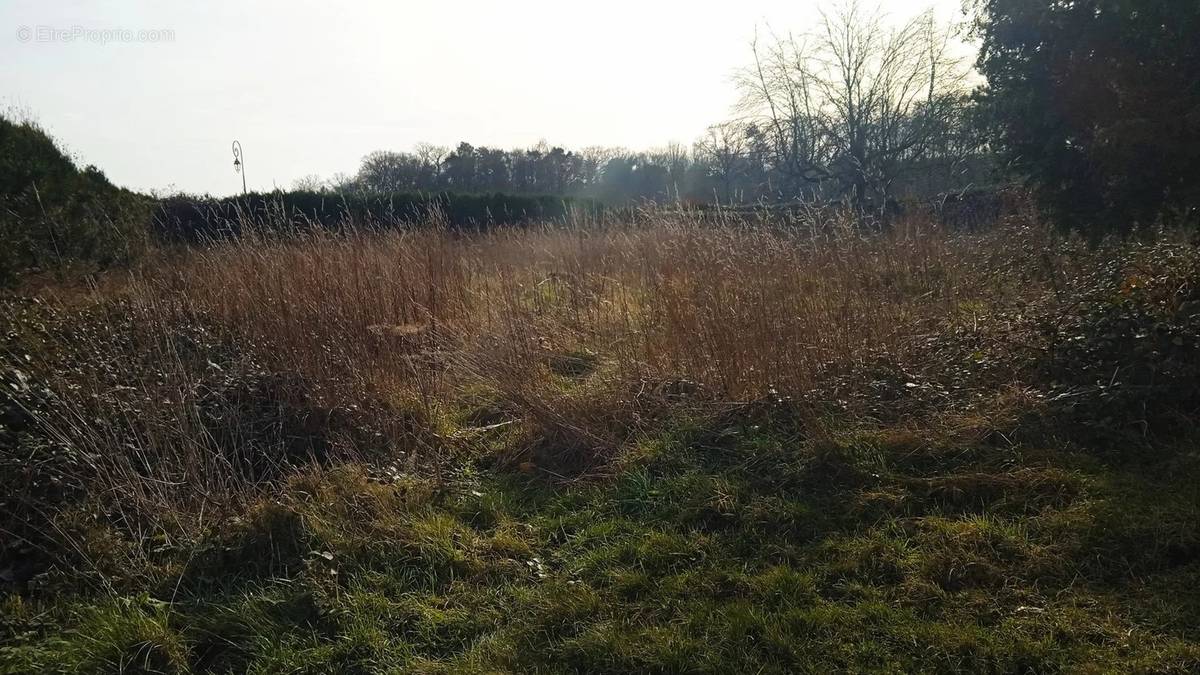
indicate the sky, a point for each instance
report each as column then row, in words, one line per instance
column 154, row 92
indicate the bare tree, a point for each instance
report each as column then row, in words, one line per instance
column 675, row 159
column 432, row 158
column 387, row 171
column 723, row 148
column 858, row 101
column 594, row 158
column 310, row 183
column 341, row 182
column 779, row 97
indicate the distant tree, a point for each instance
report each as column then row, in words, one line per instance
column 387, row 171
column 1098, row 102
column 592, row 160
column 560, row 171
column 780, row 99
column 460, row 167
column 723, row 151
column 310, row 183
column 431, row 157
column 341, row 182
column 633, row 177
column 675, row 160
column 492, row 170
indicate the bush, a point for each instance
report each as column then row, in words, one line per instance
column 54, row 215
column 191, row 219
column 1129, row 359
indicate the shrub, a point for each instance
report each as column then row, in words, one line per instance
column 1129, row 359
column 54, row 215
column 191, row 219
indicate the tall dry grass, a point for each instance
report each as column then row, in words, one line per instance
column 239, row 359
column 570, row 324
column 736, row 309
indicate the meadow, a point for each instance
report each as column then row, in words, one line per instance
column 673, row 442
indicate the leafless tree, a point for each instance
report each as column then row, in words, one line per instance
column 340, row 182
column 859, row 101
column 387, row 171
column 594, row 158
column 673, row 157
column 310, row 183
column 431, row 156
column 779, row 96
column 724, row 148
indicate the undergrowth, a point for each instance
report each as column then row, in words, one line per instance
column 678, row 448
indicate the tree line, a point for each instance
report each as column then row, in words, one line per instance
column 1095, row 104
column 858, row 109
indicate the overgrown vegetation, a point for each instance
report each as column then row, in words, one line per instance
column 802, row 439
column 193, row 219
column 54, row 216
column 58, row 219
column 1097, row 102
column 680, row 445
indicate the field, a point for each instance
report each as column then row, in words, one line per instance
column 677, row 443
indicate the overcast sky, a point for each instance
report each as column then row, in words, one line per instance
column 311, row 87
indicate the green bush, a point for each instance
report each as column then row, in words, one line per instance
column 188, row 218
column 1127, row 363
column 54, row 215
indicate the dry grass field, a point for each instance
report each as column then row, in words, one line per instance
column 680, row 443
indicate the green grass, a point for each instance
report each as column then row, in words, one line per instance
column 739, row 548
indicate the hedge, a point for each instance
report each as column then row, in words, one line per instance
column 189, row 219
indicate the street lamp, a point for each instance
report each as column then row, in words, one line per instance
column 238, row 165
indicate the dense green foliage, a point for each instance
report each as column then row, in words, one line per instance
column 1098, row 103
column 191, row 218
column 52, row 214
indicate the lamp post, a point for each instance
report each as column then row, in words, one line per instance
column 238, row 165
